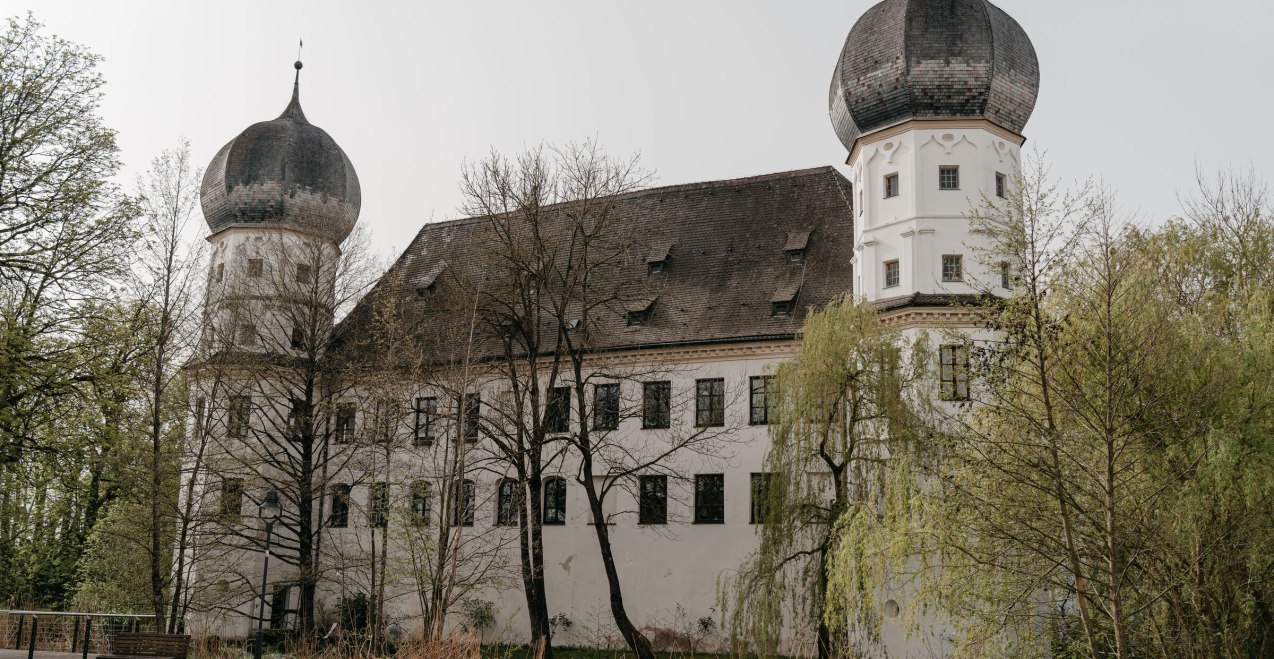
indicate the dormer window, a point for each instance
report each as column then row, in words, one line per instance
column 640, row 312
column 657, row 259
column 795, row 256
column 783, row 302
column 428, row 283
column 426, row 290
column 795, row 246
column 655, row 268
column 780, row 309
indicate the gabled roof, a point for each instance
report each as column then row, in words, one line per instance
column 729, row 237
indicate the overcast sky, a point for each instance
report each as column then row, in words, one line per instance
column 1133, row 91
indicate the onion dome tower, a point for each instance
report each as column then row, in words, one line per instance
column 930, row 98
column 279, row 199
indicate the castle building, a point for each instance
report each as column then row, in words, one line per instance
column 929, row 98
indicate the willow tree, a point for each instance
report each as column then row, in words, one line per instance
column 842, row 410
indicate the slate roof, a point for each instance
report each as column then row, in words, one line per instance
column 723, row 246
column 933, row 59
column 285, row 172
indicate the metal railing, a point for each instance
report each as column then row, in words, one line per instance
column 131, row 621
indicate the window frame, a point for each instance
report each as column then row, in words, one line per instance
column 953, row 372
column 256, row 268
column 652, row 501
column 338, row 518
column 760, row 483
column 796, row 256
column 782, row 309
column 557, row 411
column 893, row 186
column 506, row 503
column 1006, row 275
column 345, row 423
column 709, row 402
column 554, row 514
column 606, row 406
column 948, row 177
column 304, row 273
column 759, row 415
column 1001, row 185
column 896, row 267
column 464, row 498
column 421, row 502
column 656, row 407
column 426, row 416
column 470, row 405
column 378, row 505
column 957, row 263
column 239, row 423
column 654, row 268
column 709, row 499
column 231, row 493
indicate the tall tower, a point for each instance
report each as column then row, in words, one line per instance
column 930, row 98
column 279, row 199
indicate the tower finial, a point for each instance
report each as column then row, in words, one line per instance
column 298, row 65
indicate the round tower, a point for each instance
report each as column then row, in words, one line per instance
column 279, row 199
column 930, row 98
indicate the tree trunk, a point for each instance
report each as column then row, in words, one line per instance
column 636, row 640
column 531, row 539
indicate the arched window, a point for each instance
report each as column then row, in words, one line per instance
column 462, row 501
column 554, row 501
column 506, row 503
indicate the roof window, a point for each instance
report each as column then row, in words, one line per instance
column 795, row 246
column 640, row 312
column 783, row 302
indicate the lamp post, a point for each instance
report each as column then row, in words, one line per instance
column 269, row 511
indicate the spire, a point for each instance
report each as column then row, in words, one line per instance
column 293, row 110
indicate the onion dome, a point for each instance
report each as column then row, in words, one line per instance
column 287, row 173
column 933, row 59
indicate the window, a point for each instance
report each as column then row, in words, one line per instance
column 232, row 497
column 201, row 408
column 709, row 498
column 795, row 256
column 1006, row 276
column 378, row 505
column 758, row 400
column 386, row 413
column 781, row 309
column 654, row 268
column 710, row 402
column 948, row 177
column 606, row 406
column 344, row 431
column 653, row 507
column 420, row 506
column 297, row 418
column 557, row 413
column 891, row 185
column 462, row 503
column 304, row 273
column 472, row 406
column 954, row 362
column 247, row 333
column 219, row 272
column 240, row 416
column 426, row 413
column 279, row 606
column 656, row 404
column 339, row 518
column 298, row 338
column 506, row 503
column 1000, row 185
column 255, row 268
column 642, row 317
column 952, row 267
column 893, row 273
column 554, row 501
column 760, row 490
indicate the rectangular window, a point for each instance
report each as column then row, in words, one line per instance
column 709, row 498
column 298, row 338
column 219, row 273
column 247, row 333
column 893, row 273
column 1006, row 276
column 653, row 507
column 297, row 418
column 232, row 497
column 654, row 268
column 506, row 504
column 345, row 417
column 472, row 406
column 1000, row 185
column 891, row 185
column 954, row 364
column 710, row 402
column 760, row 490
column 639, row 318
column 420, row 503
column 781, row 309
column 426, row 415
column 378, row 505
column 795, row 256
column 201, row 408
column 240, row 416
column 339, row 518
column 656, row 404
column 759, row 402
column 557, row 413
column 952, row 267
column 555, row 501
column 606, row 406
column 304, row 273
column 948, row 177
column 463, row 500
column 255, row 268
column 279, row 606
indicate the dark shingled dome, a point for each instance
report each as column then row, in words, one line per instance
column 286, row 172
column 933, row 59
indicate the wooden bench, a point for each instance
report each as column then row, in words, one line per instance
column 148, row 645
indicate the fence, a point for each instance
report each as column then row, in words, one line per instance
column 60, row 631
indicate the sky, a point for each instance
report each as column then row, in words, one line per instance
column 1135, row 93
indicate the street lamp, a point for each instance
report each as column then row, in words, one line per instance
column 269, row 511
